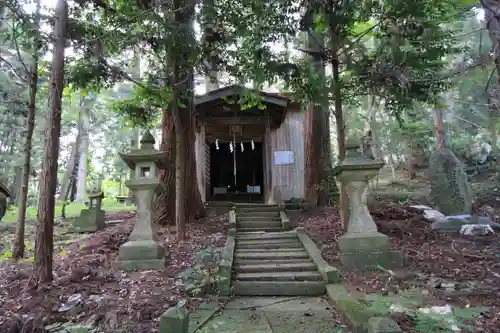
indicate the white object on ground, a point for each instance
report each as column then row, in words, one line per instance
column 422, row 207
column 433, row 215
column 476, row 229
column 445, row 312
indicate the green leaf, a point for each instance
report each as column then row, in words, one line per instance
column 320, row 24
column 469, row 313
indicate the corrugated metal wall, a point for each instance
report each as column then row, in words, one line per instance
column 289, row 179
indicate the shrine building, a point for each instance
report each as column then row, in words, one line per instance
column 249, row 154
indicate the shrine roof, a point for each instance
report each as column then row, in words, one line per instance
column 236, row 90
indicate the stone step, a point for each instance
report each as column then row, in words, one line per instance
column 261, row 235
column 259, row 249
column 270, row 245
column 267, row 229
column 279, row 288
column 257, row 210
column 253, row 204
column 280, row 267
column 256, row 213
column 259, row 224
column 272, row 255
column 279, row 276
column 244, row 262
column 257, row 218
column 267, row 241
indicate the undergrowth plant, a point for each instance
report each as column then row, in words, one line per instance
column 409, row 302
column 202, row 277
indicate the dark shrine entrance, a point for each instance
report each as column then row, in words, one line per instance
column 236, row 171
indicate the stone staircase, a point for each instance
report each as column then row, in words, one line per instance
column 258, row 218
column 268, row 259
column 274, row 264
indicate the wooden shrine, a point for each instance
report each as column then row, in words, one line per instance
column 249, row 154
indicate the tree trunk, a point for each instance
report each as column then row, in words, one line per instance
column 493, row 132
column 193, row 204
column 492, row 17
column 180, row 170
column 439, row 130
column 340, row 126
column 44, row 245
column 375, row 129
column 16, row 185
column 188, row 203
column 18, row 248
column 70, row 170
column 81, row 183
column 165, row 201
column 317, row 148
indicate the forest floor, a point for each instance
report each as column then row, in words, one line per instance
column 444, row 268
column 88, row 289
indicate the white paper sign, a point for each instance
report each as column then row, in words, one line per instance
column 283, row 157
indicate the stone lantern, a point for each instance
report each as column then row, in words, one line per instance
column 362, row 246
column 92, row 218
column 142, row 251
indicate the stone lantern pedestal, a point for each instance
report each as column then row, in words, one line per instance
column 91, row 219
column 142, row 250
column 362, row 246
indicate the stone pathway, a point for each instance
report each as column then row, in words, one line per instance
column 266, row 315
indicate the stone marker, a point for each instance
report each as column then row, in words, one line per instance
column 175, row 319
column 362, row 246
column 142, row 251
column 92, row 218
column 450, row 189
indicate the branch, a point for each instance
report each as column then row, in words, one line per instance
column 14, row 70
column 19, row 54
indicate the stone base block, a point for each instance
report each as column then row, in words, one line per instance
column 370, row 260
column 90, row 220
column 368, row 250
column 150, row 264
column 364, row 242
column 175, row 320
column 141, row 254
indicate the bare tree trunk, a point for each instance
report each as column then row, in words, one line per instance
column 70, row 170
column 375, row 129
column 44, row 245
column 18, row 248
column 409, row 158
column 193, row 204
column 493, row 132
column 340, row 126
column 439, row 129
column 165, row 201
column 180, row 168
column 81, row 183
column 16, row 186
column 492, row 17
column 317, row 139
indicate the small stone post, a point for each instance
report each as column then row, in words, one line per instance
column 362, row 246
column 175, row 319
column 92, row 218
column 142, row 251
